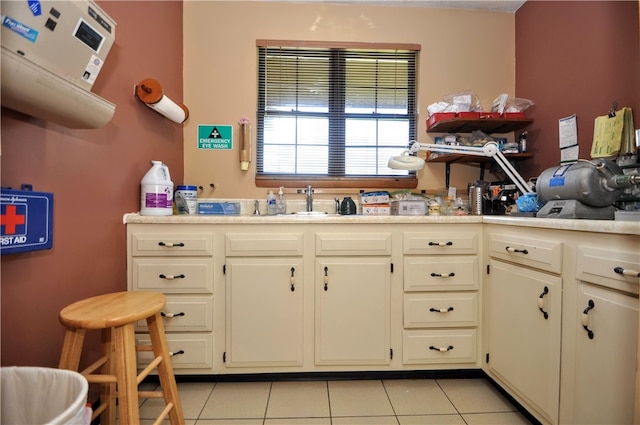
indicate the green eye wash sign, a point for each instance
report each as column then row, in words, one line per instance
column 211, row 136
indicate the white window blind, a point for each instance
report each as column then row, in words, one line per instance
column 335, row 112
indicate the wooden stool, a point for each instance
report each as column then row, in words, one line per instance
column 116, row 314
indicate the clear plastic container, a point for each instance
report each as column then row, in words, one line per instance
column 272, row 208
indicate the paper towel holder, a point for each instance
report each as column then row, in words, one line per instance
column 149, row 92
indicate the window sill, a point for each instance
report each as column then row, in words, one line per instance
column 337, row 182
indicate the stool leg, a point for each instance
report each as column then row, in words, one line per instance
column 165, row 368
column 72, row 349
column 125, row 359
column 108, row 390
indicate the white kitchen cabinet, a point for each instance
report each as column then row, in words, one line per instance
column 264, row 308
column 523, row 316
column 605, row 357
column 352, row 320
column 264, row 312
column 441, row 302
column 419, row 288
column 177, row 261
column 353, row 299
column 605, row 327
column 524, row 333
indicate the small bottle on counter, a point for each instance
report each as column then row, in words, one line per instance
column 434, row 208
column 271, row 204
column 281, row 203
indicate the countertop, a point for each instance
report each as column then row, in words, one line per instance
column 596, row 226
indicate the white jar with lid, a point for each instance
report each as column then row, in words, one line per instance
column 186, row 199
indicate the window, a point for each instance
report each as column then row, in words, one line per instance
column 334, row 114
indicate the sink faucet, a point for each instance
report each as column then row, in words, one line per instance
column 309, row 193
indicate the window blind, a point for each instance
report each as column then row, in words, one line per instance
column 334, row 112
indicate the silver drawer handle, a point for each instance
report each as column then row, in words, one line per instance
column 625, row 272
column 515, row 250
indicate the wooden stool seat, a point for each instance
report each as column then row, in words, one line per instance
column 111, row 310
column 115, row 315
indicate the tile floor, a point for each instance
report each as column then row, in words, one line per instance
column 354, row 402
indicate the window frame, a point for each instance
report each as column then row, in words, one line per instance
column 327, row 181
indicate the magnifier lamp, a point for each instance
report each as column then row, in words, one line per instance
column 409, row 161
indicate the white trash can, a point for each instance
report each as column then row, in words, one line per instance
column 40, row 395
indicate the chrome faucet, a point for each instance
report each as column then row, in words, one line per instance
column 309, row 193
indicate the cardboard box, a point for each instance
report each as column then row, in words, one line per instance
column 374, row 198
column 370, row 209
column 219, row 208
column 409, row 207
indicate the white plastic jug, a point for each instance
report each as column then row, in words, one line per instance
column 156, row 191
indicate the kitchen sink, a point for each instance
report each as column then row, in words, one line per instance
column 312, row 213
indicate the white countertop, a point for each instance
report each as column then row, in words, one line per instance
column 597, row 226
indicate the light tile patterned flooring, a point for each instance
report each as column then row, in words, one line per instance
column 352, row 402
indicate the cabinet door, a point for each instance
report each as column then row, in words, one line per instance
column 524, row 345
column 604, row 382
column 264, row 312
column 352, row 318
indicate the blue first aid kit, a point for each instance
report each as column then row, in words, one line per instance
column 26, row 221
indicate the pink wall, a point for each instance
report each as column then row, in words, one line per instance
column 95, row 178
column 575, row 57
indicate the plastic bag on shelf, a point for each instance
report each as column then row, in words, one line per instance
column 464, row 101
column 515, row 104
column 480, row 138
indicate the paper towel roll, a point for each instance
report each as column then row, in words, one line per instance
column 149, row 91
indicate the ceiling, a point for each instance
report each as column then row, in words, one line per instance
column 495, row 5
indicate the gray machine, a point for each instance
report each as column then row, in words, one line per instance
column 585, row 189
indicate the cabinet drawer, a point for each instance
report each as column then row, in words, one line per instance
column 264, row 244
column 353, row 244
column 537, row 253
column 191, row 351
column 183, row 314
column 441, row 310
column 615, row 269
column 173, row 275
column 440, row 243
column 440, row 274
column 457, row 345
column 171, row 244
